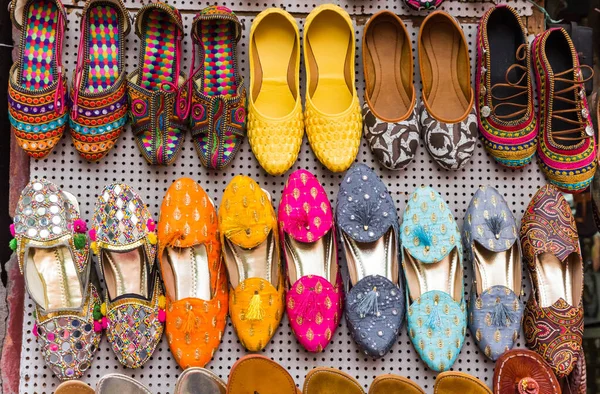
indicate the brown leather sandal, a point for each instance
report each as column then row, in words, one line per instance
column 259, row 374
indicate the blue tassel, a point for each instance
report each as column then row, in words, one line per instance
column 434, row 321
column 501, row 315
column 368, row 304
column 423, row 235
column 495, row 224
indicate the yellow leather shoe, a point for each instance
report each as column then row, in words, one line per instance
column 451, row 382
column 275, row 120
column 250, row 243
column 333, row 115
column 324, row 380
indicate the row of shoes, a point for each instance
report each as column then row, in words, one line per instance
column 228, row 262
column 518, row 372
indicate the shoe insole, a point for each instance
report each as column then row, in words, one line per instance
column 311, row 258
column 188, row 274
column 125, row 273
column 38, row 63
column 218, row 44
column 52, row 278
column 504, row 38
column 245, row 263
column 442, row 44
column 329, row 43
column 386, row 48
column 103, row 49
column 497, row 268
column 372, row 258
column 555, row 280
column 274, row 89
column 158, row 64
column 443, row 275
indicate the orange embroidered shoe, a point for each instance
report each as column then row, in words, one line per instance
column 189, row 254
column 251, row 251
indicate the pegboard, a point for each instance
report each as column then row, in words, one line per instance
column 125, row 164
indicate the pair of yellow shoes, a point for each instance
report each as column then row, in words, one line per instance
column 332, row 116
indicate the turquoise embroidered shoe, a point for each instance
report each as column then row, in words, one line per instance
column 432, row 261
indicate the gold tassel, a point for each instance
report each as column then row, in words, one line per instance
column 255, row 309
column 190, row 322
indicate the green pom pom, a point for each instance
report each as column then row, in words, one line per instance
column 34, row 314
column 80, row 241
column 97, row 312
column 13, row 244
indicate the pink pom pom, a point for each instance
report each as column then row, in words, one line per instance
column 104, row 322
column 12, row 229
column 151, row 225
column 92, row 234
column 97, row 326
column 79, row 226
column 162, row 315
column 34, row 330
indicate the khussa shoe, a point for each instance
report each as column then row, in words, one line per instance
column 333, row 116
column 390, row 119
column 490, row 239
column 448, row 117
column 250, row 242
column 73, row 387
column 259, row 374
column 553, row 324
column 368, row 225
column 521, row 371
column 506, row 115
column 125, row 243
column 315, row 295
column 432, row 261
column 218, row 94
column 275, row 119
column 423, row 4
column 53, row 254
column 158, row 96
column 330, row 381
column 458, row 382
column 195, row 280
column 386, row 384
column 99, row 93
column 194, row 380
column 119, row 383
column 37, row 88
column 566, row 143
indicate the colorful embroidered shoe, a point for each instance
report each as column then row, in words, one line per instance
column 423, row 4
column 125, row 243
column 368, row 225
column 490, row 239
column 53, row 254
column 158, row 96
column 99, row 94
column 553, row 324
column 189, row 254
column 333, row 115
column 432, row 261
column 521, row 371
column 506, row 115
column 218, row 100
column 566, row 144
column 447, row 115
column 390, row 120
column 37, row 89
column 315, row 294
column 275, row 120
column 250, row 242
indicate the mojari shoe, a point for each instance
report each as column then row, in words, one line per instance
column 521, row 371
column 53, row 254
column 195, row 280
column 250, row 242
column 490, row 239
column 458, row 382
column 315, row 293
column 386, row 384
column 506, row 115
column 432, row 260
column 218, row 93
column 157, row 93
column 74, row 387
column 195, row 380
column 448, row 117
column 259, row 374
column 99, row 93
column 566, row 143
column 323, row 380
column 423, row 4
column 368, row 224
column 553, row 324
column 275, row 120
column 125, row 243
column 391, row 122
column 119, row 383
column 37, row 88
column 333, row 115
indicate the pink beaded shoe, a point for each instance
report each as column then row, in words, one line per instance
column 314, row 302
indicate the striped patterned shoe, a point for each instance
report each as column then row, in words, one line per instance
column 37, row 89
column 99, row 93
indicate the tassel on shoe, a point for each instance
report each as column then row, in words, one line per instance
column 434, row 321
column 501, row 316
column 255, row 309
column 368, row 304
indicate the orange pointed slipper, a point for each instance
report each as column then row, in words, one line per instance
column 251, row 252
column 189, row 254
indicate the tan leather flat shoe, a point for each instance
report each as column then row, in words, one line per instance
column 74, row 387
column 457, row 382
column 259, row 374
column 394, row 384
column 330, row 381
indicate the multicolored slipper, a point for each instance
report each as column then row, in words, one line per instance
column 99, row 93
column 37, row 89
column 157, row 92
column 423, row 4
column 504, row 102
column 218, row 108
